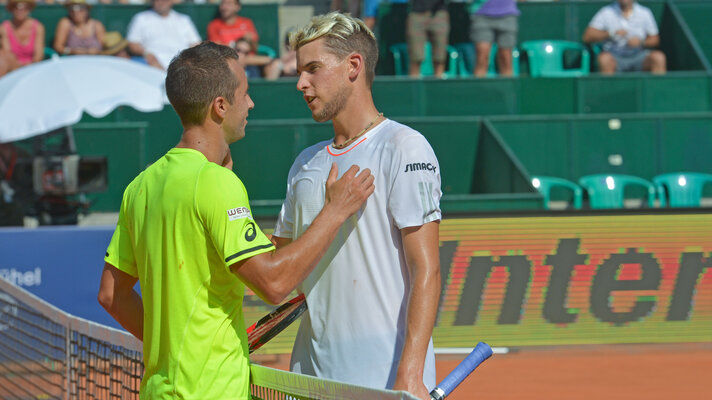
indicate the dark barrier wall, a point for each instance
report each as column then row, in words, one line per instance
column 509, row 281
column 640, row 145
column 478, row 157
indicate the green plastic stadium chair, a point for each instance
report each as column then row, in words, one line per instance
column 682, row 189
column 399, row 51
column 49, row 53
column 265, row 50
column 544, row 184
column 607, row 190
column 550, row 58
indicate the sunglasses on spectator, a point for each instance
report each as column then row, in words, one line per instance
column 78, row 7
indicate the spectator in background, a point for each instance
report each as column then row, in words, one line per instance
column 78, row 33
column 428, row 20
column 494, row 21
column 229, row 27
column 23, row 35
column 630, row 34
column 289, row 57
column 115, row 45
column 160, row 33
column 352, row 7
column 8, row 62
column 256, row 65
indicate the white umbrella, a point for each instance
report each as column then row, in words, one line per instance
column 53, row 93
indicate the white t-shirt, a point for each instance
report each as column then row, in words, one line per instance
column 164, row 37
column 639, row 24
column 353, row 330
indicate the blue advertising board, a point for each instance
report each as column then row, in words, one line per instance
column 61, row 265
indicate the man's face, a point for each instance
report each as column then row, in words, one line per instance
column 162, row 7
column 323, row 79
column 625, row 3
column 236, row 115
column 228, row 8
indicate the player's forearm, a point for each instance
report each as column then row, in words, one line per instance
column 127, row 310
column 651, row 42
column 420, row 320
column 422, row 256
column 281, row 271
column 120, row 300
column 593, row 35
column 274, row 275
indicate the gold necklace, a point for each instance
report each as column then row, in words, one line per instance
column 349, row 141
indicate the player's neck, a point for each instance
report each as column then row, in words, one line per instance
column 212, row 146
column 354, row 118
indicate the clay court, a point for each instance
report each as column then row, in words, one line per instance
column 650, row 371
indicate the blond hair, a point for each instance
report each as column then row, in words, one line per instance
column 343, row 35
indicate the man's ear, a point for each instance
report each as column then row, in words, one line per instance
column 356, row 65
column 219, row 107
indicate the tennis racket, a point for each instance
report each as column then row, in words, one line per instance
column 481, row 352
column 273, row 323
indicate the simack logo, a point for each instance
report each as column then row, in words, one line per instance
column 420, row 167
column 22, row 278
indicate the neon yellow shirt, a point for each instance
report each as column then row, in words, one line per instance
column 182, row 222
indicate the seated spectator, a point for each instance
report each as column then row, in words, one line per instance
column 289, row 57
column 115, row 45
column 229, row 27
column 160, row 33
column 428, row 20
column 256, row 65
column 78, row 33
column 23, row 35
column 494, row 21
column 8, row 62
column 352, row 7
column 630, row 34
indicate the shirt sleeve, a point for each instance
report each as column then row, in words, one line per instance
column 251, row 28
column 191, row 31
column 651, row 27
column 222, row 204
column 285, row 220
column 370, row 8
column 212, row 30
column 414, row 197
column 120, row 252
column 600, row 21
column 133, row 32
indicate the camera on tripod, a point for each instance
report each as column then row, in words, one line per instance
column 47, row 179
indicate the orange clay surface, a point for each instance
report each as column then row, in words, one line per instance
column 652, row 371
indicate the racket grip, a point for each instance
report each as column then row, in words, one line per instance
column 481, row 352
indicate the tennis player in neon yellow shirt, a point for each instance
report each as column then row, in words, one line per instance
column 186, row 233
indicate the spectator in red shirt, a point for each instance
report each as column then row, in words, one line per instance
column 229, row 27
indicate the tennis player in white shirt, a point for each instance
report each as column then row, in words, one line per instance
column 372, row 300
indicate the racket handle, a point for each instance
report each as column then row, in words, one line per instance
column 481, row 352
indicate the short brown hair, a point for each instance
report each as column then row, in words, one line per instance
column 196, row 77
column 343, row 35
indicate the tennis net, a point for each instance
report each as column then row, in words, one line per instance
column 46, row 353
column 272, row 384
